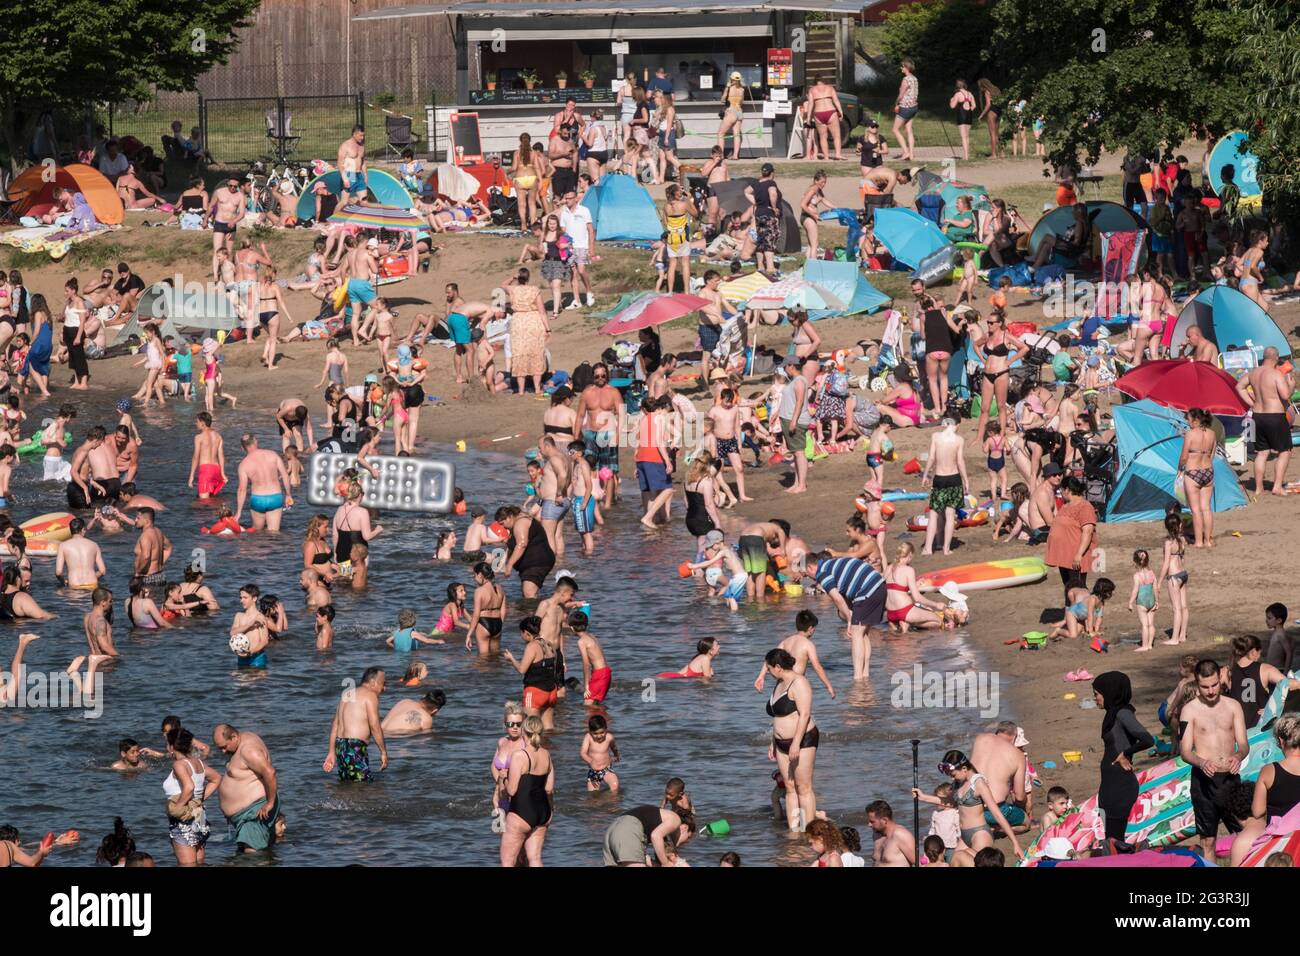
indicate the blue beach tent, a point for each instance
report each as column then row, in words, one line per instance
column 1228, row 318
column 385, row 189
column 621, row 209
column 847, row 283
column 1149, row 440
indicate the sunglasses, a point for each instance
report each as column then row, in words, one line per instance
column 947, row 768
column 514, row 723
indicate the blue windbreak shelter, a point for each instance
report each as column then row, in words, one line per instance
column 917, row 242
column 1228, row 318
column 385, row 189
column 1149, row 439
column 847, row 283
column 621, row 209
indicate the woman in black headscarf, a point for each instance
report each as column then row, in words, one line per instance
column 1122, row 737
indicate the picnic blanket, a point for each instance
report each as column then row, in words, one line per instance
column 54, row 240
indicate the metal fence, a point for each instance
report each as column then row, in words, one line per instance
column 241, row 130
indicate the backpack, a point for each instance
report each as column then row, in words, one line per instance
column 582, row 377
column 837, row 384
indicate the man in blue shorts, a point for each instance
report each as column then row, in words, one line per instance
column 262, row 475
column 601, row 417
column 352, row 166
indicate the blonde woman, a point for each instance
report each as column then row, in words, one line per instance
column 316, row 549
column 530, row 781
column 266, row 301
column 523, row 174
column 666, row 123
column 625, row 100
column 905, row 110
column 733, row 115
column 701, row 500
column 507, row 747
column 905, row 608
column 596, row 138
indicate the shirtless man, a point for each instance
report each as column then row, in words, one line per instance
column 99, row 632
column 224, row 212
column 249, row 792
column 712, row 316
column 1067, row 418
column 800, row 646
column 951, row 483
column 1202, row 349
column 79, row 563
column 881, row 183
column 758, row 544
column 554, row 612
column 414, row 716
column 209, row 459
column 152, row 551
column 361, row 265
column 656, row 383
column 356, row 720
column 715, row 171
column 292, row 417
column 551, row 492
column 352, row 167
column 1215, row 745
column 582, row 499
column 130, row 498
column 602, row 421
column 562, row 153
column 1268, row 395
column 261, row 476
column 1003, row 765
column 478, row 313
column 127, row 453
column 1042, row 501
column 93, row 472
column 894, row 844
column 725, row 416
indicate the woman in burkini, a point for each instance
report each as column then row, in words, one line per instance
column 489, row 611
column 351, row 526
column 974, row 799
column 1122, row 737
column 1174, row 571
column 1196, row 462
column 794, row 737
column 530, row 782
column 1145, row 598
column 524, row 176
column 904, row 605
column 316, row 553
column 999, row 350
column 540, row 669
column 733, row 114
column 186, row 787
column 507, row 747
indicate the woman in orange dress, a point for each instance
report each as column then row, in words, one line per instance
column 529, row 331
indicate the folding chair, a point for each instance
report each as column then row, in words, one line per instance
column 398, row 135
column 284, row 141
column 7, row 216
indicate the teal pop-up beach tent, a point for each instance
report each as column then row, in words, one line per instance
column 383, row 188
column 621, row 209
column 1229, row 319
column 1149, row 440
column 847, row 283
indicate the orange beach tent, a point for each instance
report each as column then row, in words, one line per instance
column 33, row 191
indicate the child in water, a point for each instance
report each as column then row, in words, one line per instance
column 701, row 664
column 453, row 612
column 404, row 639
column 293, row 465
column 325, row 627
column 932, row 846
column 1144, row 598
column 596, row 675
column 717, row 556
column 599, row 751
column 444, row 546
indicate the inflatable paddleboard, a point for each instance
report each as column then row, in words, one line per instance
column 51, row 527
column 42, row 548
column 1163, row 812
column 898, row 494
column 1083, row 828
column 987, row 575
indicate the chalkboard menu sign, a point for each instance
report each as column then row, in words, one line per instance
column 466, row 146
column 512, row 97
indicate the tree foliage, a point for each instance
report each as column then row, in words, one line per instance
column 66, row 53
column 946, row 40
column 1269, row 54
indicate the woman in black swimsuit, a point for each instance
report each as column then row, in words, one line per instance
column 992, row 110
column 701, row 509
column 345, row 416
column 530, row 783
column 489, row 610
column 1000, row 350
column 963, row 102
column 794, row 737
column 197, row 596
column 316, row 550
column 531, row 555
column 560, row 421
column 941, row 337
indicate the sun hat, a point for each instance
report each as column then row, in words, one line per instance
column 714, row 537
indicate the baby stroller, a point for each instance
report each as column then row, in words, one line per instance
column 504, row 209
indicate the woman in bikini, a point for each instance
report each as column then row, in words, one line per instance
column 266, row 301
column 1196, row 462
column 1000, row 234
column 316, row 550
column 1250, row 271
column 733, row 102
column 805, row 340
column 489, row 610
column 1174, row 571
column 507, row 746
column 974, row 799
column 999, row 350
column 824, row 106
column 905, row 608
column 524, row 176
column 901, row 402
column 814, row 199
column 794, row 737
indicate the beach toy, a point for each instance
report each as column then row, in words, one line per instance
column 460, row 445
column 684, row 569
column 898, row 494
column 221, row 333
column 887, row 509
column 529, row 490
column 1070, row 696
column 460, row 508
column 1219, row 639
column 986, row 576
column 912, row 467
column 36, row 444
column 52, row 527
column 793, row 589
column 721, row 828
column 498, row 529
column 226, row 528
column 47, row 841
column 605, row 473
column 862, row 503
column 1048, row 765
column 1072, row 756
column 1034, row 640
column 1099, row 645
column 404, row 484
column 239, row 644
